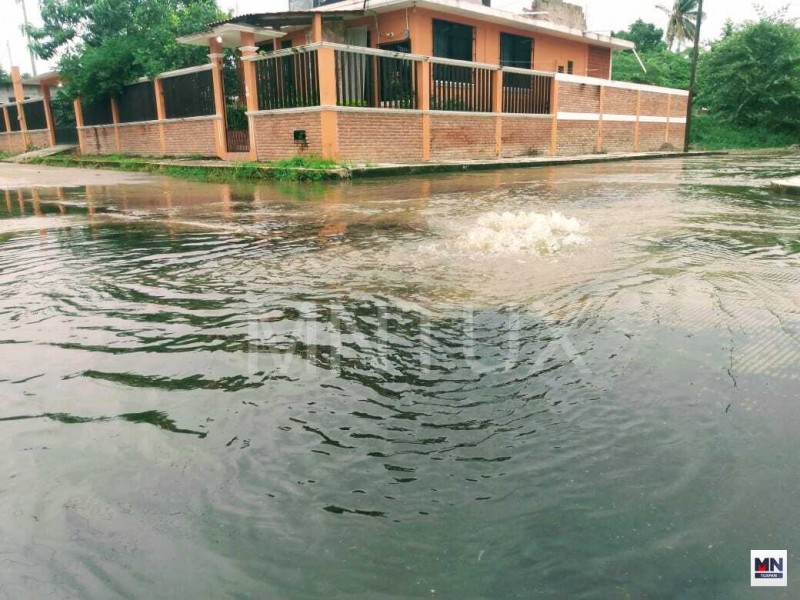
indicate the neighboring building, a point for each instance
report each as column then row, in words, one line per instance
column 7, row 93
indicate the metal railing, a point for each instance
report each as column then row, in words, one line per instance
column 97, row 113
column 13, row 117
column 375, row 81
column 137, row 102
column 188, row 92
column 35, row 118
column 287, row 78
column 526, row 93
column 458, row 87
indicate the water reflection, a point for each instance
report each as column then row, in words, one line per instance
column 375, row 411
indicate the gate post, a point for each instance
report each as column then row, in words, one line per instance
column 19, row 95
column 329, row 121
column 79, row 124
column 48, row 114
column 216, row 56
column 248, row 50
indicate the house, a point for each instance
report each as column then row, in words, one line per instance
column 392, row 81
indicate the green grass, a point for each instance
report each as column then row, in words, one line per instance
column 709, row 133
column 295, row 169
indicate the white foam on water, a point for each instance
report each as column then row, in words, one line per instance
column 521, row 233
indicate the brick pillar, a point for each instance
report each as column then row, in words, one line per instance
column 249, row 49
column 599, row 147
column 497, row 108
column 326, row 63
column 19, row 95
column 115, row 122
column 161, row 114
column 79, row 125
column 216, row 57
column 554, row 110
column 424, row 104
column 48, row 114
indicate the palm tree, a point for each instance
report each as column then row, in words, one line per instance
column 682, row 25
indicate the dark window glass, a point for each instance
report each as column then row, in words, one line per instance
column 570, row 67
column 452, row 40
column 561, row 69
column 515, row 51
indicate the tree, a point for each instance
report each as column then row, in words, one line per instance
column 4, row 76
column 664, row 68
column 646, row 36
column 103, row 45
column 751, row 77
column 682, row 23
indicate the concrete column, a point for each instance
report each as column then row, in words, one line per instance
column 424, row 104
column 316, row 28
column 216, row 56
column 669, row 116
column 636, row 140
column 326, row 63
column 161, row 114
column 497, row 108
column 79, row 125
column 19, row 95
column 554, row 110
column 248, row 49
column 115, row 122
column 48, row 114
column 599, row 147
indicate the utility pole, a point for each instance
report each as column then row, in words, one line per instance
column 25, row 20
column 693, row 82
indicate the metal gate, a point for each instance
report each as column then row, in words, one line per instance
column 237, row 129
column 66, row 131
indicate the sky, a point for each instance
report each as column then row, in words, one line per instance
column 603, row 16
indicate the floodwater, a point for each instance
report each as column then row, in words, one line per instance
column 575, row 382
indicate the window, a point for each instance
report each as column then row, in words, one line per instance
column 452, row 40
column 570, row 67
column 561, row 69
column 515, row 51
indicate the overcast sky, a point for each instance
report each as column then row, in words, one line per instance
column 603, row 15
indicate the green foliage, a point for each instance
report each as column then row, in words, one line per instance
column 682, row 25
column 710, row 133
column 664, row 68
column 4, row 76
column 751, row 77
column 646, row 36
column 105, row 44
column 236, row 117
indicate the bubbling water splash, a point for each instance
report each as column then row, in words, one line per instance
column 521, row 232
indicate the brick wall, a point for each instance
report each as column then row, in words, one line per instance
column 455, row 136
column 274, row 134
column 15, row 142
column 618, row 136
column 526, row 136
column 189, row 136
column 679, row 105
column 140, row 138
column 366, row 136
column 577, row 137
column 599, row 62
column 578, row 97
column 676, row 133
column 620, row 102
column 99, row 140
column 654, row 104
column 652, row 136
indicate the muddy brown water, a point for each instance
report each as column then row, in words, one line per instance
column 428, row 387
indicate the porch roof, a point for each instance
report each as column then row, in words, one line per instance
column 229, row 35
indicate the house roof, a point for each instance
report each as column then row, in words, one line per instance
column 355, row 8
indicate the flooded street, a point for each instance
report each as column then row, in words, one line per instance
column 568, row 382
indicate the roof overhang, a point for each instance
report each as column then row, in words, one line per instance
column 230, row 35
column 49, row 78
column 474, row 10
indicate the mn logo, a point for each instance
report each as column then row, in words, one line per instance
column 768, row 568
